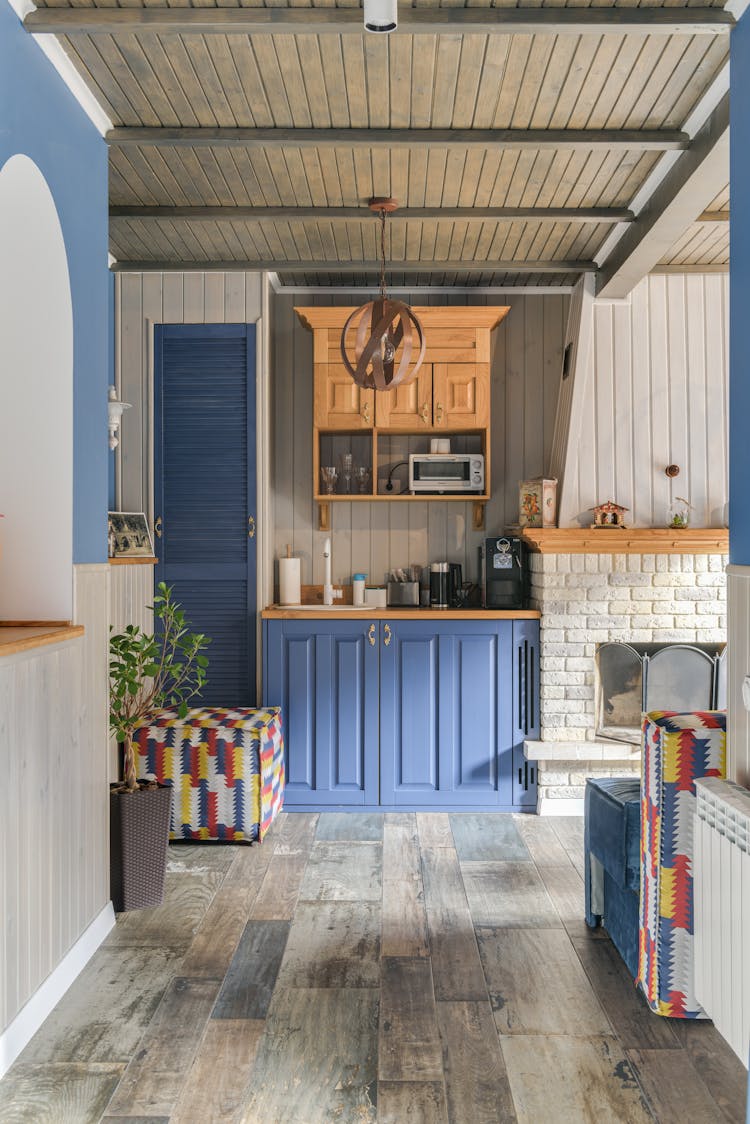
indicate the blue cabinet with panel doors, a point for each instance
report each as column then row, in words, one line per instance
column 403, row 713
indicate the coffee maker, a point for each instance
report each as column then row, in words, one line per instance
column 446, row 583
column 503, row 573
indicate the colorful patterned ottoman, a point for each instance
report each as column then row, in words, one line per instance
column 677, row 749
column 226, row 768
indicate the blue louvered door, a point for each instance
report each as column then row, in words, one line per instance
column 204, row 491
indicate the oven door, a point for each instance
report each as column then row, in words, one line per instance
column 446, row 473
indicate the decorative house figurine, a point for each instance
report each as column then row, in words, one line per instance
column 610, row 514
column 538, row 503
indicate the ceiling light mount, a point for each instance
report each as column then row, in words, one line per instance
column 382, row 331
column 381, row 16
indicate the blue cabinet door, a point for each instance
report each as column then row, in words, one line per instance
column 325, row 678
column 526, row 722
column 445, row 713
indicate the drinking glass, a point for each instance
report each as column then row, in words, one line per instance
column 329, row 476
column 347, row 468
column 362, row 479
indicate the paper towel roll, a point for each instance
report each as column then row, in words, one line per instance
column 290, row 587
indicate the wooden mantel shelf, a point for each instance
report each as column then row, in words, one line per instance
column 639, row 540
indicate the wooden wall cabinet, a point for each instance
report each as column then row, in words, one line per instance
column 450, row 394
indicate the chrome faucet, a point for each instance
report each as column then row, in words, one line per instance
column 329, row 593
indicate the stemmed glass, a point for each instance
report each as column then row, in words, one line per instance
column 362, row 478
column 329, row 476
column 347, row 467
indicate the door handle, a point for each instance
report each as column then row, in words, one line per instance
column 423, row 412
column 366, row 413
column 158, row 527
column 371, row 635
column 439, row 413
column 251, row 526
column 387, row 635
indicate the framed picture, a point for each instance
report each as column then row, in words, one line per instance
column 129, row 536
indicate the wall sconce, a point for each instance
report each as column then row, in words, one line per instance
column 114, row 411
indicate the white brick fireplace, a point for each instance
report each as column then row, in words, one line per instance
column 587, row 599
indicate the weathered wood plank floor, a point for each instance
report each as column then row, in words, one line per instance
column 400, row 968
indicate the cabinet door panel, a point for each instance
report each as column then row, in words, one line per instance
column 408, row 715
column 526, row 722
column 409, row 406
column 461, row 395
column 339, row 402
column 325, row 678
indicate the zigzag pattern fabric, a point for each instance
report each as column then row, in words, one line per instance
column 677, row 749
column 226, row 769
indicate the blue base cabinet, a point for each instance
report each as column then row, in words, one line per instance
column 405, row 713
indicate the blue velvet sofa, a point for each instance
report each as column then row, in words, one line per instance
column 612, row 841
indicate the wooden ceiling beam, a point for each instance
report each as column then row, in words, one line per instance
column 349, row 214
column 698, row 176
column 628, row 140
column 414, row 21
column 353, row 267
column 713, row 216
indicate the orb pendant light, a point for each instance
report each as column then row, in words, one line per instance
column 382, row 344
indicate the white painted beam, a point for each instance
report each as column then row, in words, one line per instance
column 317, row 266
column 627, row 140
column 414, row 21
column 693, row 182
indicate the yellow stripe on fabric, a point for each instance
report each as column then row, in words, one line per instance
column 671, row 752
column 255, row 797
column 667, row 891
column 185, row 809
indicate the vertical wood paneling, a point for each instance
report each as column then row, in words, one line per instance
column 526, row 362
column 738, row 656
column 657, row 396
column 53, row 803
column 143, row 300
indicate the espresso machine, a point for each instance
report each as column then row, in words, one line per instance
column 504, row 573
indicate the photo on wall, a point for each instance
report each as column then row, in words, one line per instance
column 129, row 535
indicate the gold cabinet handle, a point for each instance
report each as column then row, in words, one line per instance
column 423, row 412
column 387, row 635
column 371, row 635
column 157, row 527
column 251, row 526
column 439, row 413
column 366, row 413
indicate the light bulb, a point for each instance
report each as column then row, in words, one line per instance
column 387, row 350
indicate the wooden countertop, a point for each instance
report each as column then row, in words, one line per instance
column 22, row 638
column 316, row 612
column 134, row 560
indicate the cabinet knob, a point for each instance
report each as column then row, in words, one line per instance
column 439, row 413
column 366, row 413
column 157, row 527
column 424, row 412
column 387, row 635
column 371, row 635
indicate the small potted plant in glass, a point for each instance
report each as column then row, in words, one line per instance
column 679, row 514
column 147, row 671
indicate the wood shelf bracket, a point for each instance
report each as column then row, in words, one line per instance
column 324, row 517
column 478, row 515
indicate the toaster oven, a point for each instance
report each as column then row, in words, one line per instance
column 438, row 473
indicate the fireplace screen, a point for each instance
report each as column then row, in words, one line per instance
column 635, row 678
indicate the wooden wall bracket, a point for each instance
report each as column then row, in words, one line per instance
column 324, row 517
column 478, row 515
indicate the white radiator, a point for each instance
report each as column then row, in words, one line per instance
column 721, row 869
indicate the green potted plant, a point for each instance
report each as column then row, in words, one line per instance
column 147, row 671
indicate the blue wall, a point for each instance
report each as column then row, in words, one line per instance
column 739, row 296
column 40, row 118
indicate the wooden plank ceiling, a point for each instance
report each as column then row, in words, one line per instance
column 264, row 146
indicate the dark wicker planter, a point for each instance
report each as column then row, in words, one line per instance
column 138, row 837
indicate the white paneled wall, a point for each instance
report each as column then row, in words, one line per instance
column 54, row 811
column 656, row 395
column 738, row 656
column 526, row 366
